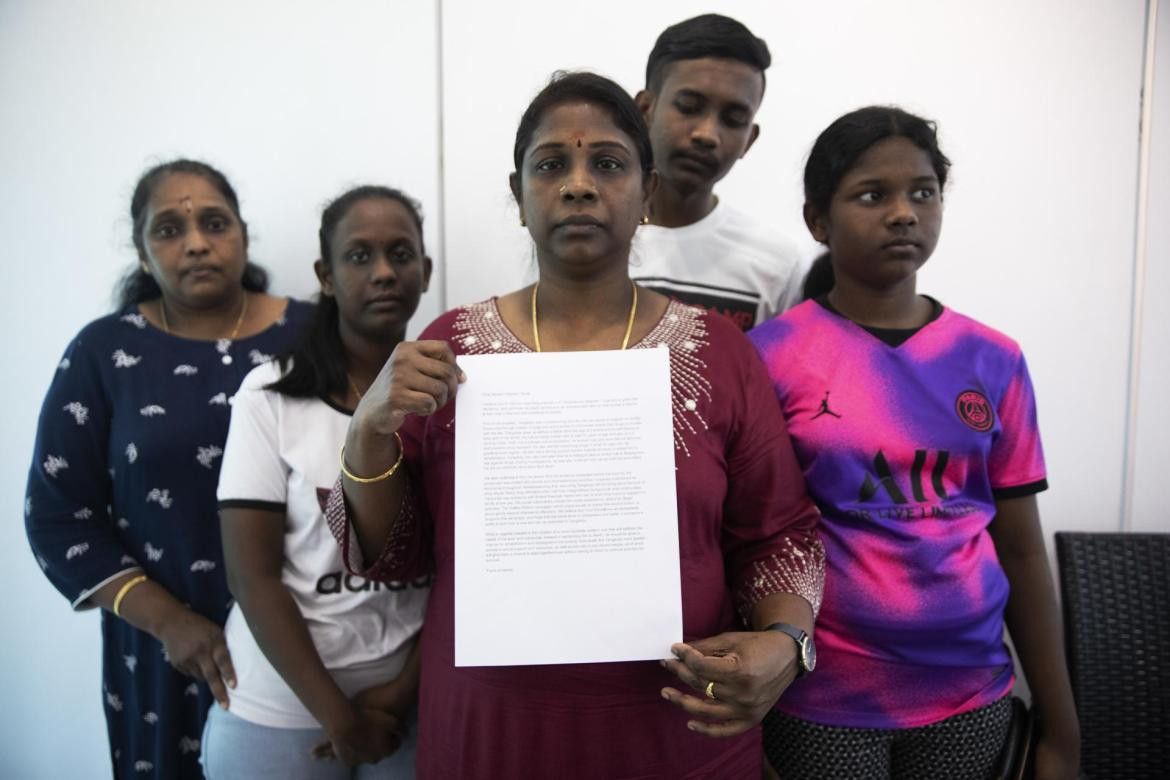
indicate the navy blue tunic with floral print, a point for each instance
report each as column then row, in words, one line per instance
column 123, row 478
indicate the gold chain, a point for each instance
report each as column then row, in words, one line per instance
column 629, row 323
column 162, row 308
column 353, row 384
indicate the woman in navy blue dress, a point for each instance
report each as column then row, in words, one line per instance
column 120, row 509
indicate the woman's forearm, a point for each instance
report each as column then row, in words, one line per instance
column 283, row 636
column 420, row 378
column 1033, row 619
column 147, row 606
column 374, row 507
column 192, row 643
column 783, row 608
column 400, row 694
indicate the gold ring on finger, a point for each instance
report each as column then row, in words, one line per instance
column 711, row 690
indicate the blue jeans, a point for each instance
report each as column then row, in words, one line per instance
column 237, row 748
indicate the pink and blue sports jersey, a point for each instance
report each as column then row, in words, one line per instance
column 906, row 450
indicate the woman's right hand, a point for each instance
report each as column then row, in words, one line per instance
column 196, row 647
column 419, row 378
column 366, row 736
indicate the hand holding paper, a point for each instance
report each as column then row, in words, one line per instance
column 419, row 378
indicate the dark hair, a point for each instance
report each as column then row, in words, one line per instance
column 837, row 150
column 136, row 285
column 315, row 365
column 819, row 279
column 709, row 35
column 583, row 87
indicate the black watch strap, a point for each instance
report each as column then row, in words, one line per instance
column 805, row 652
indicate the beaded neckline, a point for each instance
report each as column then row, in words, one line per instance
column 480, row 330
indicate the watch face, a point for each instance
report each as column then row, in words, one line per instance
column 808, row 652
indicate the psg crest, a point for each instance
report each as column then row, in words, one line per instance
column 975, row 410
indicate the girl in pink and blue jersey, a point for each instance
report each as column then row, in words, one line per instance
column 916, row 430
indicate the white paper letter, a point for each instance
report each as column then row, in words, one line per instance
column 566, row 521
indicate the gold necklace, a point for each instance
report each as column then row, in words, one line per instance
column 221, row 345
column 353, row 384
column 629, row 323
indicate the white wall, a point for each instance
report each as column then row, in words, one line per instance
column 1038, row 104
column 1151, row 506
column 294, row 101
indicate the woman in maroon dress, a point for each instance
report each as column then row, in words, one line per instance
column 750, row 556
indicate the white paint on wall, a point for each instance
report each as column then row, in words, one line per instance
column 1151, row 498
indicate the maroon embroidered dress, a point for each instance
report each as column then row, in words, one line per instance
column 746, row 530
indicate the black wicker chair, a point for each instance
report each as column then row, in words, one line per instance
column 1116, row 594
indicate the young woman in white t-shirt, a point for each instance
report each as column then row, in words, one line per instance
column 326, row 661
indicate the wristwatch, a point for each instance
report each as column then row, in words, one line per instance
column 806, row 651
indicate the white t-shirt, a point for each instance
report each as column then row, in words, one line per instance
column 281, row 455
column 726, row 262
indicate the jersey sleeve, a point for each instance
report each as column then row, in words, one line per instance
column 770, row 539
column 67, row 514
column 254, row 475
column 1016, row 461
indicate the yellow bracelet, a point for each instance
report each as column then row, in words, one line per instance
column 368, row 480
column 122, row 591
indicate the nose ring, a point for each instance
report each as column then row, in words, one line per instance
column 563, row 188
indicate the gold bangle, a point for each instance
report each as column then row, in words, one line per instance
column 126, row 588
column 385, row 475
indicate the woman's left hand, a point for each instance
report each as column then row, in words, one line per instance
column 749, row 669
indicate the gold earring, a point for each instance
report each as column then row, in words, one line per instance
column 645, row 219
column 522, row 222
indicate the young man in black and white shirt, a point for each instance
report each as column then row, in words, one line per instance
column 704, row 85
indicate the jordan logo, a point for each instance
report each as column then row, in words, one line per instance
column 825, row 408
